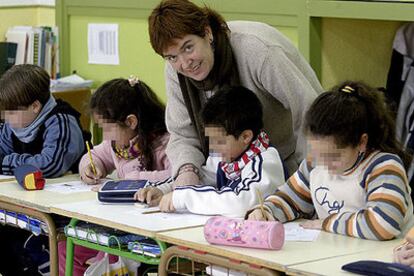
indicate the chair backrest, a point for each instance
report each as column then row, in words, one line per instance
column 79, row 100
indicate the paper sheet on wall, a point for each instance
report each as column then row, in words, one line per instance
column 295, row 232
column 103, row 44
column 68, row 187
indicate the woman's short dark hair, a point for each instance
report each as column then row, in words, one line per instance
column 235, row 109
column 174, row 19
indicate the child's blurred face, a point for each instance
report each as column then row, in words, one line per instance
column 325, row 152
column 223, row 145
column 113, row 131
column 22, row 116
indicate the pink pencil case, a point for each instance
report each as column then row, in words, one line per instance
column 245, row 233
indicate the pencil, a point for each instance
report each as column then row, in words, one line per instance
column 151, row 212
column 90, row 158
column 259, row 195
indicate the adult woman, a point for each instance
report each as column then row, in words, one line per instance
column 205, row 53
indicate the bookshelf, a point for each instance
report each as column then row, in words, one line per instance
column 354, row 35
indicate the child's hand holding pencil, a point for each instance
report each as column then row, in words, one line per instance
column 91, row 173
column 260, row 213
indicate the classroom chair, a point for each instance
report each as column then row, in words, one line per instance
column 79, row 100
column 174, row 255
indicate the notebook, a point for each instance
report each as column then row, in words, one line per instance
column 120, row 191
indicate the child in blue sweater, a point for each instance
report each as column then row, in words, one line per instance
column 38, row 129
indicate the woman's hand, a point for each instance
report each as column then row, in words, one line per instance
column 312, row 224
column 166, row 203
column 186, row 179
column 88, row 176
column 258, row 215
column 150, row 195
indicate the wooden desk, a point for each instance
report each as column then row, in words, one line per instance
column 293, row 253
column 126, row 217
column 42, row 200
column 123, row 217
column 332, row 266
column 37, row 204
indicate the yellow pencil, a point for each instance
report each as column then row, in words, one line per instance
column 259, row 195
column 90, row 158
column 151, row 212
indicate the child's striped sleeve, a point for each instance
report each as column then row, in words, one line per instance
column 293, row 199
column 388, row 200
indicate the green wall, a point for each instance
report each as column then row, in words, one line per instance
column 341, row 39
column 136, row 54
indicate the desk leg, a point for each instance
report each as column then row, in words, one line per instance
column 54, row 270
column 209, row 259
column 70, row 247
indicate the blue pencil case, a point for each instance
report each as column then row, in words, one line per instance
column 120, row 191
column 376, row 268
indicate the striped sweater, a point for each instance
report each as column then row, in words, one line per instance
column 371, row 202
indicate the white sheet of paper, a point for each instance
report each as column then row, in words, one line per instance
column 143, row 209
column 6, row 177
column 294, row 232
column 68, row 187
column 103, row 44
column 164, row 216
column 177, row 216
column 128, row 214
column 69, row 83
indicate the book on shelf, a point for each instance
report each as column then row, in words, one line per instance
column 36, row 45
column 222, row 271
column 23, row 221
column 147, row 247
column 101, row 235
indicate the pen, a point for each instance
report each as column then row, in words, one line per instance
column 90, row 158
column 259, row 195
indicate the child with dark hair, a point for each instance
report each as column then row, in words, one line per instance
column 38, row 129
column 134, row 133
column 134, row 140
column 241, row 161
column 354, row 180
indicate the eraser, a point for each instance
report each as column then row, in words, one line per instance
column 29, row 177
